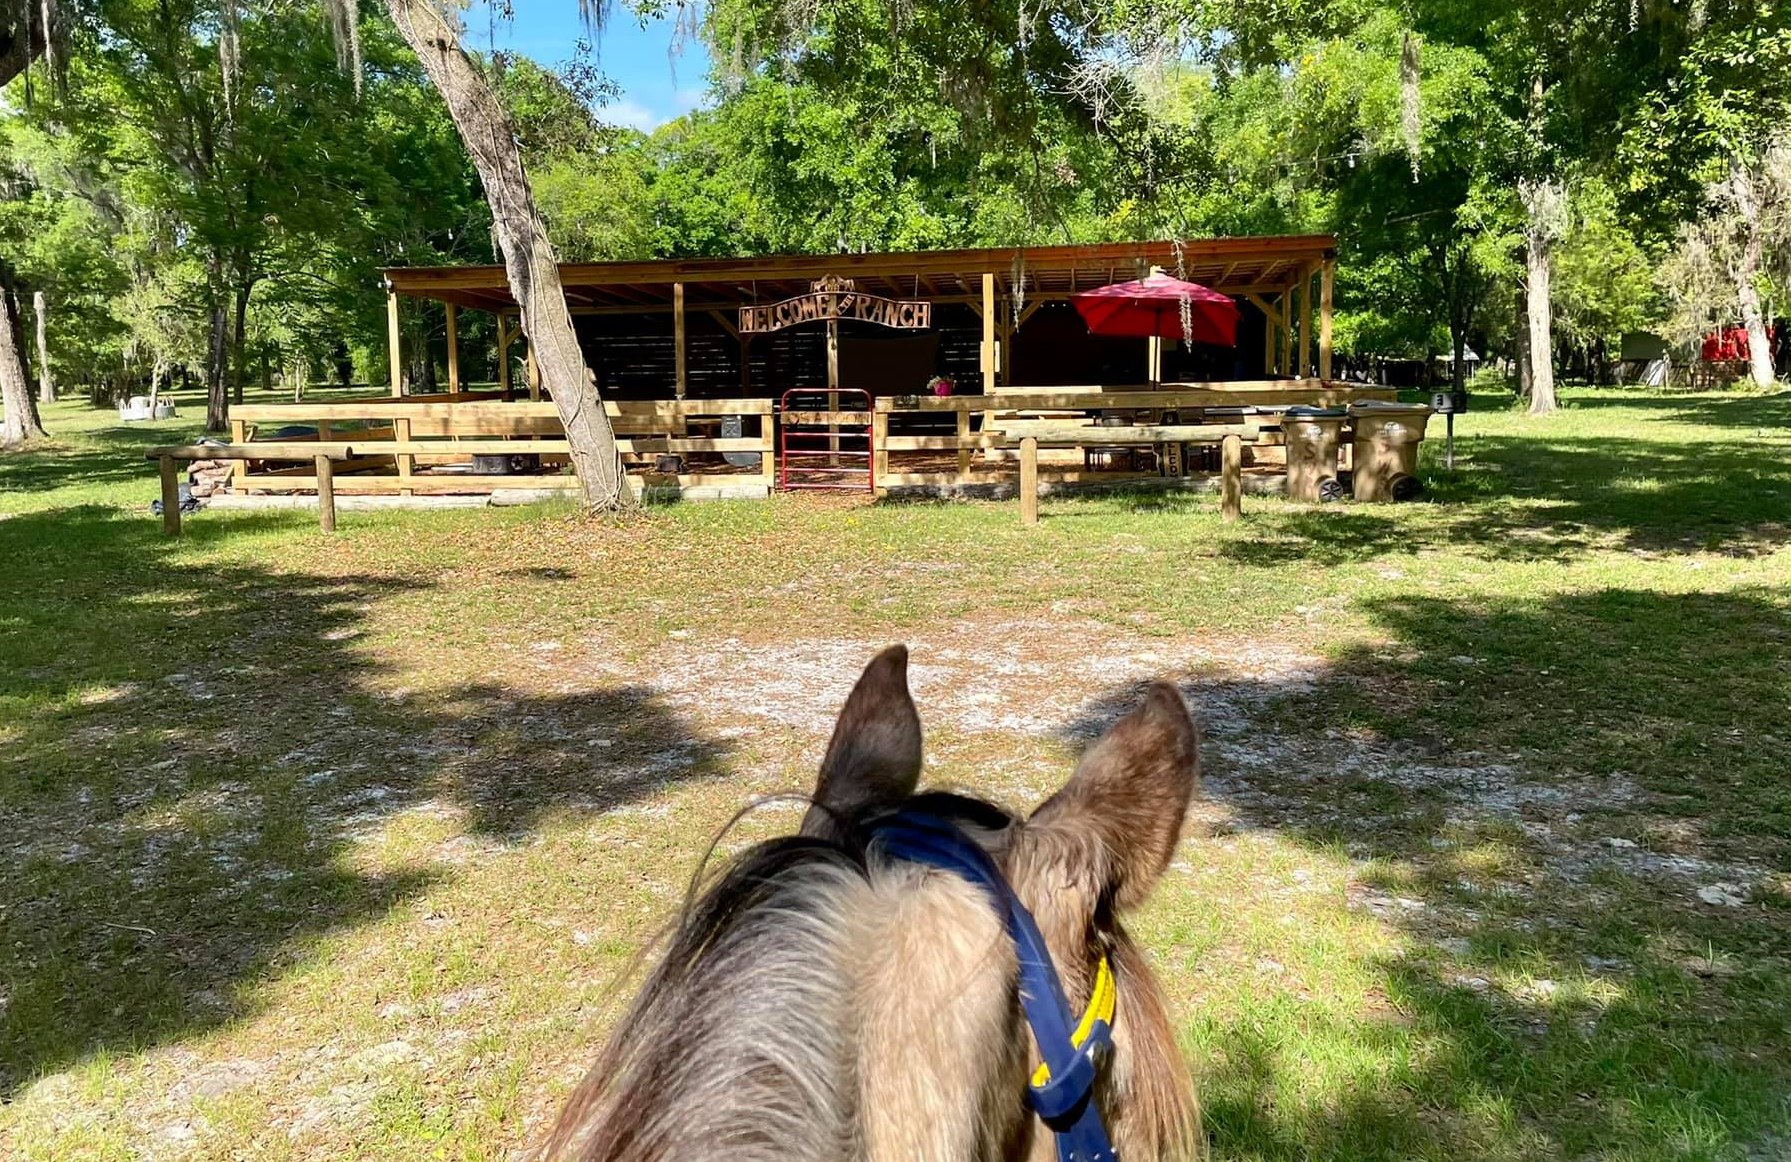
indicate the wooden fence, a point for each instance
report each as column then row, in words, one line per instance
column 423, row 444
column 401, row 444
column 1011, row 414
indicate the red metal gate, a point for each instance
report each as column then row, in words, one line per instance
column 821, row 444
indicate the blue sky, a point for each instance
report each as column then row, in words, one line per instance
column 656, row 84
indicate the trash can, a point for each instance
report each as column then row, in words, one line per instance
column 1385, row 450
column 1311, row 436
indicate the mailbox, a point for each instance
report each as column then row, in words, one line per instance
column 1449, row 403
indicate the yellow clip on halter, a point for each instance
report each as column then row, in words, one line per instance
column 1100, row 1008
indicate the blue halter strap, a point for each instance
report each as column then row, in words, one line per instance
column 1065, row 1101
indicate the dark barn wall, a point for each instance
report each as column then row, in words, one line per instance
column 634, row 355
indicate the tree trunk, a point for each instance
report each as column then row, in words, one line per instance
column 534, row 275
column 217, row 399
column 21, row 422
column 236, row 344
column 1458, row 374
column 46, row 381
column 1539, row 325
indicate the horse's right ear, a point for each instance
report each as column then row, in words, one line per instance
column 874, row 758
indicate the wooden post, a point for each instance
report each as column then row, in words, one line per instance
column 879, row 446
column 678, row 357
column 406, row 461
column 1269, row 325
column 170, row 497
column 453, row 350
column 833, row 392
column 239, row 434
column 1287, row 328
column 1153, row 360
column 991, row 361
column 1324, row 318
column 1029, row 481
column 964, row 450
column 392, row 342
column 1231, row 478
column 503, row 360
column 531, row 371
column 326, row 494
column 1305, row 323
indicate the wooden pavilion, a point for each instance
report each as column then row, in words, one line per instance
column 695, row 360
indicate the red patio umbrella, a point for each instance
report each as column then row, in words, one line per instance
column 1153, row 306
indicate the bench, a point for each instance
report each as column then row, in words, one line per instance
column 323, row 456
column 1229, row 437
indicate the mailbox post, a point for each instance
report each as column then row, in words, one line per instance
column 1449, row 404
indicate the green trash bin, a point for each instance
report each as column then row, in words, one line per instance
column 1311, row 435
column 1385, row 449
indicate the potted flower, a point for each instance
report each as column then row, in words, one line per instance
column 939, row 386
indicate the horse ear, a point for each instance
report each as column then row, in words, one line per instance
column 1131, row 792
column 874, row 758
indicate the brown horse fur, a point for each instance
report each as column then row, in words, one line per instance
column 820, row 1003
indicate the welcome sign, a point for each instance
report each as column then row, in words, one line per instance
column 833, row 299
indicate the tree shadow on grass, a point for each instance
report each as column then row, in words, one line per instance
column 1572, row 497
column 1574, row 814
column 105, row 456
column 191, row 741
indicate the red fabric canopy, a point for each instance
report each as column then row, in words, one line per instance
column 1153, row 306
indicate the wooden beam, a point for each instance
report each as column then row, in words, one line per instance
column 1029, row 481
column 727, row 324
column 392, row 342
column 1305, row 368
column 681, row 377
column 1266, row 307
column 326, row 494
column 453, row 349
column 532, row 372
column 170, row 496
column 1326, row 274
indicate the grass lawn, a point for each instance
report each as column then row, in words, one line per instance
column 342, row 847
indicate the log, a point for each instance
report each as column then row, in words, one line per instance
column 271, row 450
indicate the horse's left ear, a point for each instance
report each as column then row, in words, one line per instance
column 1131, row 791
column 874, row 758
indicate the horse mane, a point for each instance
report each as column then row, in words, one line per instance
column 734, row 1044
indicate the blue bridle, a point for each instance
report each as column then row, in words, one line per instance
column 1065, row 1101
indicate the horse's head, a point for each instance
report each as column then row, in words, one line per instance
column 823, row 1001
